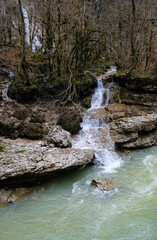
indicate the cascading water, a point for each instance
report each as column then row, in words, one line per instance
column 95, row 132
column 36, row 44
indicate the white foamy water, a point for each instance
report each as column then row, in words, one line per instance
column 95, row 132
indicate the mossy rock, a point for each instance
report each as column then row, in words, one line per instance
column 21, row 91
column 70, row 120
column 85, row 86
column 56, row 85
column 136, row 82
column 21, row 113
column 33, row 131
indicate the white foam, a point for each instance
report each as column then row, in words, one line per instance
column 90, row 136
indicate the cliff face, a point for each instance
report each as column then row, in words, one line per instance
column 132, row 114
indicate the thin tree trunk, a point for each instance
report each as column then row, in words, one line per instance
column 133, row 53
column 24, row 64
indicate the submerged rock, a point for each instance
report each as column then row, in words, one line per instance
column 104, row 184
column 13, row 195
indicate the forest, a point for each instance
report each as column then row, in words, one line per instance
column 66, row 40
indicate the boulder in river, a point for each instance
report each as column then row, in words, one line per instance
column 104, row 184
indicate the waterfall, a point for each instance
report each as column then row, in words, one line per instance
column 94, row 133
column 36, row 43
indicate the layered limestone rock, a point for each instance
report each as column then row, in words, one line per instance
column 135, row 132
column 28, row 163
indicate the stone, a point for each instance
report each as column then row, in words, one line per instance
column 59, row 137
column 70, row 120
column 26, row 164
column 104, row 184
column 138, row 123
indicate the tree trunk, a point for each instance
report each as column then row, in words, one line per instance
column 133, row 52
column 24, row 64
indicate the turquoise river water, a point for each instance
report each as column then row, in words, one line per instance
column 69, row 208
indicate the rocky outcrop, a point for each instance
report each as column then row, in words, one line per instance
column 104, row 184
column 59, row 138
column 131, row 111
column 24, row 164
column 140, row 84
column 135, row 132
column 18, row 121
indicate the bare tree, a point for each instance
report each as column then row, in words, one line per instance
column 24, row 64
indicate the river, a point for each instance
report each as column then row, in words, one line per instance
column 69, row 208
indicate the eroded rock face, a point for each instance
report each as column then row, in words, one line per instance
column 59, row 137
column 28, row 163
column 135, row 132
column 104, row 184
column 137, row 83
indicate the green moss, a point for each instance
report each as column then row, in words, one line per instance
column 20, row 151
column 39, row 61
column 58, row 80
column 21, row 91
column 22, row 113
column 2, row 149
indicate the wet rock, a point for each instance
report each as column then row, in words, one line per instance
column 59, row 137
column 104, row 184
column 70, row 120
column 25, row 164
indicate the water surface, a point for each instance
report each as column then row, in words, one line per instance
column 70, row 208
